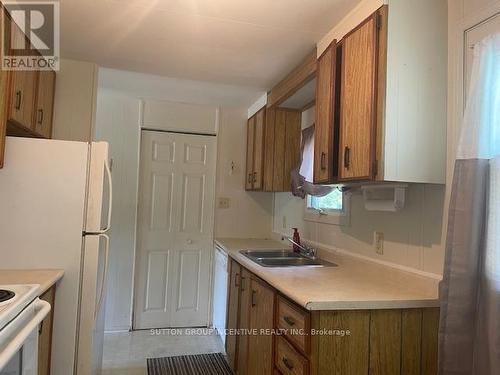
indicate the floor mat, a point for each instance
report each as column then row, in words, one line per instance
column 200, row 364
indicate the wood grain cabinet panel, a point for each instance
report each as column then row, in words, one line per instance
column 45, row 334
column 258, row 158
column 244, row 316
column 250, row 153
column 294, row 322
column 273, row 149
column 45, row 103
column 22, row 98
column 260, row 346
column 324, row 132
column 233, row 312
column 288, row 360
column 358, row 102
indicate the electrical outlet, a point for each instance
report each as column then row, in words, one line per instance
column 379, row 242
column 223, row 203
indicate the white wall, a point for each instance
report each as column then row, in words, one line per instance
column 118, row 122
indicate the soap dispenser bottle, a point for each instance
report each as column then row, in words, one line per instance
column 296, row 239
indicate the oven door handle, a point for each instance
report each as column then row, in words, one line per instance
column 42, row 309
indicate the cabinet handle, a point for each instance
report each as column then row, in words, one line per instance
column 250, row 178
column 254, row 176
column 236, row 279
column 287, row 363
column 242, row 284
column 19, row 97
column 254, row 298
column 40, row 116
column 323, row 161
column 347, row 157
column 289, row 320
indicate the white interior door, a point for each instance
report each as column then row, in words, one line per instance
column 175, row 230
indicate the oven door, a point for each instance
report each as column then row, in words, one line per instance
column 19, row 341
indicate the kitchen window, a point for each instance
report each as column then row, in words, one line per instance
column 332, row 208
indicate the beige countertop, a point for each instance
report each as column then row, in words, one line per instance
column 354, row 284
column 46, row 278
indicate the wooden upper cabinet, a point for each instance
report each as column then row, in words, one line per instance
column 22, row 98
column 250, row 153
column 324, row 153
column 358, row 102
column 273, row 149
column 259, row 144
column 45, row 103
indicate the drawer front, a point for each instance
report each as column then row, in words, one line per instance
column 288, row 360
column 296, row 324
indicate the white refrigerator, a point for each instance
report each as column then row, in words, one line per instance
column 55, row 212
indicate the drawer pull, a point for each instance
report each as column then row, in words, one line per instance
column 236, row 280
column 40, row 116
column 289, row 320
column 19, row 97
column 347, row 157
column 254, row 298
column 323, row 161
column 287, row 363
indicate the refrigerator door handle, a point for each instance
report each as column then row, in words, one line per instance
column 104, row 276
column 110, row 205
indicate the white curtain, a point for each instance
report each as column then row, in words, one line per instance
column 469, row 331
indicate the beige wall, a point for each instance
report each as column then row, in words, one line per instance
column 75, row 101
column 249, row 213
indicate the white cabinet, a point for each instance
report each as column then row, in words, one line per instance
column 180, row 117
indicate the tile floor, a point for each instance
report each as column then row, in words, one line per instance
column 126, row 353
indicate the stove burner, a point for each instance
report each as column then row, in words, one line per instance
column 6, row 295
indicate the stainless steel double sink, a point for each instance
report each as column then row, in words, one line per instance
column 283, row 258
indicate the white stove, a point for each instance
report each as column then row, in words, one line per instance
column 23, row 296
column 21, row 312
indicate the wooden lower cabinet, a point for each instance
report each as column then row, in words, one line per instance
column 344, row 342
column 233, row 312
column 45, row 334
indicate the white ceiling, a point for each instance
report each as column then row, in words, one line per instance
column 241, row 42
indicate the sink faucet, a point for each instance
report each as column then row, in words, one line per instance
column 308, row 252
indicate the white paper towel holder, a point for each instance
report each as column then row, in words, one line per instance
column 384, row 197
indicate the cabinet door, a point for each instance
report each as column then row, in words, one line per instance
column 22, row 98
column 233, row 313
column 258, row 158
column 245, row 305
column 268, row 173
column 22, row 87
column 250, row 153
column 324, row 154
column 358, row 102
column 45, row 103
column 260, row 347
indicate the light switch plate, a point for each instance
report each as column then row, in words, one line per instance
column 223, row 203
